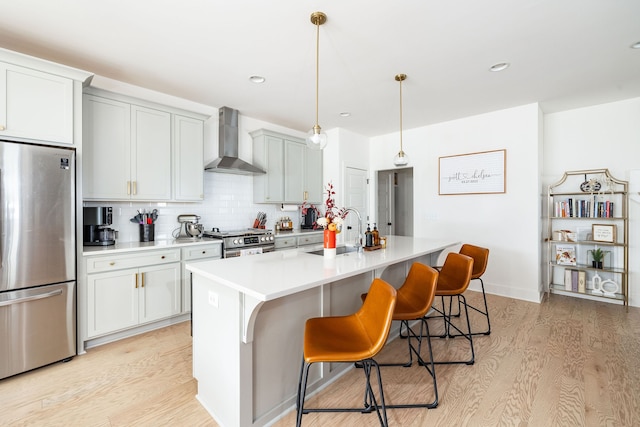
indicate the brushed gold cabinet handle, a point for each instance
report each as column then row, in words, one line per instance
column 2, row 127
column 135, row 187
column 142, row 276
column 128, row 188
column 136, row 280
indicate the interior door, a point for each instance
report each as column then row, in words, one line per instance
column 386, row 206
column 395, row 202
column 355, row 191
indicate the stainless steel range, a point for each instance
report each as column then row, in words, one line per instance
column 249, row 241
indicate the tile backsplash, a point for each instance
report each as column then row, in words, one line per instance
column 228, row 205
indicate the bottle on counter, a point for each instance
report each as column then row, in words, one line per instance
column 368, row 237
column 376, row 235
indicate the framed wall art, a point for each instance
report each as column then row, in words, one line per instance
column 604, row 233
column 473, row 173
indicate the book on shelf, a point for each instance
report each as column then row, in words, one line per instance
column 574, row 280
column 574, row 208
column 567, row 280
column 566, row 255
column 582, row 281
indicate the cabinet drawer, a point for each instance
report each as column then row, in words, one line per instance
column 285, row 242
column 202, row 251
column 310, row 239
column 129, row 260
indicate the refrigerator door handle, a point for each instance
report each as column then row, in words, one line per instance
column 31, row 298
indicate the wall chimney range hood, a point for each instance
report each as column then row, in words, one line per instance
column 228, row 160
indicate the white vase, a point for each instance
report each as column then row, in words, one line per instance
column 330, row 252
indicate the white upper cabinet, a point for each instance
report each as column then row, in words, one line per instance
column 140, row 152
column 35, row 105
column 188, row 155
column 314, row 184
column 294, row 172
column 150, row 154
column 107, row 149
column 40, row 101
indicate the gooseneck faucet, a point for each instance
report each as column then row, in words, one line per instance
column 359, row 237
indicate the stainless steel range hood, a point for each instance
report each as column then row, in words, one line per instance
column 228, row 162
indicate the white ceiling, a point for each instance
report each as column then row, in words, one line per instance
column 563, row 54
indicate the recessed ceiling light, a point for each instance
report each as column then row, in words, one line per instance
column 257, row 79
column 636, row 45
column 345, row 114
column 500, row 66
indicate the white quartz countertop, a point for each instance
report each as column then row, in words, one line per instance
column 145, row 246
column 277, row 274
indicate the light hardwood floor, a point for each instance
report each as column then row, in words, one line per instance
column 566, row 362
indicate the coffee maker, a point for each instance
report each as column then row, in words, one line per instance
column 96, row 222
column 309, row 219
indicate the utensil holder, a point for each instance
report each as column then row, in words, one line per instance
column 147, row 232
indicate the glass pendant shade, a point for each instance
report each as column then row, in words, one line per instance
column 401, row 159
column 316, row 139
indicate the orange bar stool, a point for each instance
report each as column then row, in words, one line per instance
column 354, row 338
column 414, row 300
column 453, row 280
column 480, row 257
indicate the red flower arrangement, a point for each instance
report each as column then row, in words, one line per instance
column 333, row 214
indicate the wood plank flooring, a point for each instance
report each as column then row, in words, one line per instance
column 566, row 362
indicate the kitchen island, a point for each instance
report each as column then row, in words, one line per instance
column 249, row 314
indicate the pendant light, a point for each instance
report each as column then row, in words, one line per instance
column 401, row 158
column 316, row 139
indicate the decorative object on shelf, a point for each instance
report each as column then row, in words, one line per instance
column 316, row 139
column 565, row 236
column 597, row 255
column 473, row 173
column 590, row 185
column 604, row 233
column 331, row 221
column 607, row 287
column 401, row 158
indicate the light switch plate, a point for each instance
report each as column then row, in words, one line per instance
column 213, row 299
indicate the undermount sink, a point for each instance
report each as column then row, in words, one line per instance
column 339, row 250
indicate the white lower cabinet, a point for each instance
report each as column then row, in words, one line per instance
column 128, row 290
column 195, row 253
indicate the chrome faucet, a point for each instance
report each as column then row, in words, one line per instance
column 358, row 245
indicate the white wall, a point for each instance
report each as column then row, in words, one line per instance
column 345, row 149
column 601, row 136
column 508, row 224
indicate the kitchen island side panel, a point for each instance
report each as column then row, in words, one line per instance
column 218, row 350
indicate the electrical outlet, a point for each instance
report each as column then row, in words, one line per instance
column 213, row 299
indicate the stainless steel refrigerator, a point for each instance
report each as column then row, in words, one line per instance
column 37, row 256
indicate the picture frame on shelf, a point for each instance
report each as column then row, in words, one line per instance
column 604, row 233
